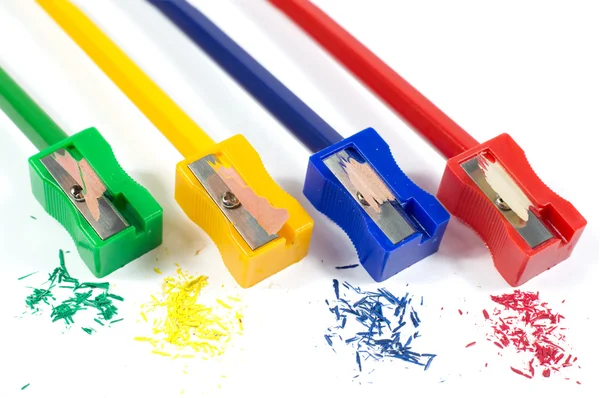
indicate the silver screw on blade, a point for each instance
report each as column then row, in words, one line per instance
column 502, row 205
column 362, row 199
column 230, row 201
column 77, row 193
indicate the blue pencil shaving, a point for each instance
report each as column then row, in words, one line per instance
column 431, row 356
column 343, row 300
column 349, row 286
column 328, row 338
column 349, row 311
column 414, row 318
column 372, row 324
column 369, row 354
column 347, row 266
column 360, row 302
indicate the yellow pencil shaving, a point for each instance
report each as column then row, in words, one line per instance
column 186, row 323
column 164, row 354
column 176, row 356
column 144, row 317
column 233, row 298
column 140, row 338
column 187, row 356
column 223, row 304
column 158, row 271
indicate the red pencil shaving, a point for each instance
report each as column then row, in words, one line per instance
column 526, row 324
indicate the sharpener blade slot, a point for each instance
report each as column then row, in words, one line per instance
column 534, row 232
column 110, row 221
column 392, row 218
column 247, row 226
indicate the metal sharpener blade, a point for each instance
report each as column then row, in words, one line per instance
column 247, row 226
column 391, row 220
column 110, row 221
column 533, row 231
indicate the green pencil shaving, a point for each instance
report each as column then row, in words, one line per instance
column 77, row 180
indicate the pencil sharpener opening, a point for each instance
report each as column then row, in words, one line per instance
column 208, row 187
column 539, row 231
column 391, row 221
column 112, row 219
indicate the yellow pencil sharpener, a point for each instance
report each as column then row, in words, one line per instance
column 258, row 228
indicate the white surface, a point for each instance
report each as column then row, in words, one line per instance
column 530, row 69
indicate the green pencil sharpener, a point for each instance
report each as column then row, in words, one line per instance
column 112, row 219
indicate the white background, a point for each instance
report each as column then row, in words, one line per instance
column 527, row 68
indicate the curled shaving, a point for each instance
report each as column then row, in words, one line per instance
column 84, row 175
column 368, row 183
column 503, row 184
column 270, row 218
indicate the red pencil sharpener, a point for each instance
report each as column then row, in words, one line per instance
column 521, row 249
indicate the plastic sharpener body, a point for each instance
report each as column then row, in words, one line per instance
column 379, row 255
column 247, row 266
column 142, row 216
column 520, row 250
